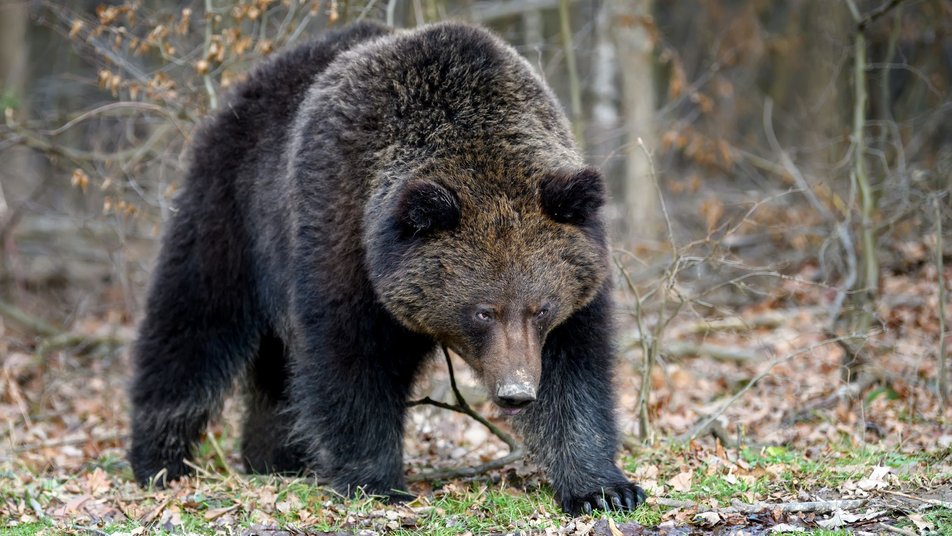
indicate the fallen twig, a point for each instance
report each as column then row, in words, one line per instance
column 154, row 513
column 90, row 530
column 768, row 319
column 933, row 502
column 817, row 507
column 516, row 450
column 898, row 530
column 220, row 453
column 738, row 507
column 713, row 427
column 687, row 349
column 69, row 441
column 720, row 353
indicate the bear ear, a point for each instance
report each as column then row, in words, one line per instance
column 572, row 196
column 425, row 207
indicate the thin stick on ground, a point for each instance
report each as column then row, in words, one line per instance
column 897, row 530
column 687, row 349
column 926, row 500
column 817, row 507
column 516, row 450
column 79, row 440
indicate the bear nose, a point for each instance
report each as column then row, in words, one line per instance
column 515, row 395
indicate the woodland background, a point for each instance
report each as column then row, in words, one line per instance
column 780, row 177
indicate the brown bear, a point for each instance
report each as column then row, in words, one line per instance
column 359, row 201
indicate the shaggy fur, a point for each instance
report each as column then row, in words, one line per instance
column 360, row 200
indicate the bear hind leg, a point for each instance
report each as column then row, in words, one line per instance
column 197, row 337
column 266, row 442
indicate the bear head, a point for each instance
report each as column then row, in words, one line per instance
column 488, row 260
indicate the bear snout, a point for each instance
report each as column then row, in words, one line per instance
column 513, row 397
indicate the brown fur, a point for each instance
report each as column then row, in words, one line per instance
column 427, row 192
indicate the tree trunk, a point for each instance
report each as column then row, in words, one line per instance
column 605, row 135
column 635, row 46
column 14, row 46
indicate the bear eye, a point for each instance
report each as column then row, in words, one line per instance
column 484, row 315
column 543, row 312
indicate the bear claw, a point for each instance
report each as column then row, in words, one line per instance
column 619, row 498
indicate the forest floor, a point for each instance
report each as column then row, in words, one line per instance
column 791, row 455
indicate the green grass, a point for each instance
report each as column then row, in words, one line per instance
column 483, row 507
column 110, row 463
column 124, row 526
column 777, row 470
column 26, row 529
column 941, row 518
column 645, row 515
column 9, row 100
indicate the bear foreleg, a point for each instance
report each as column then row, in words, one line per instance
column 350, row 389
column 570, row 430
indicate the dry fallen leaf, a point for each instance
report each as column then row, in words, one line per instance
column 841, row 518
column 785, row 527
column 708, row 518
column 875, row 480
column 921, row 522
column 613, row 528
column 681, row 482
column 835, row 521
column 214, row 513
column 97, row 482
column 582, row 528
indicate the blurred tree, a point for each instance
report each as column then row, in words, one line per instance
column 635, row 39
column 15, row 162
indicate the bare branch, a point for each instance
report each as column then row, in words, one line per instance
column 123, row 105
column 516, row 450
column 875, row 14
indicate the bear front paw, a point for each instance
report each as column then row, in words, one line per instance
column 153, row 467
column 159, row 477
column 622, row 496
